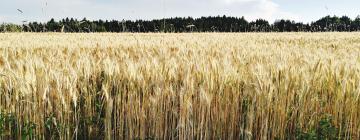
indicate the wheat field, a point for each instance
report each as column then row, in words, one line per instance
column 180, row 86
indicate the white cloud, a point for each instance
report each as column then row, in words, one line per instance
column 42, row 10
column 234, row 1
column 287, row 15
column 255, row 9
column 266, row 9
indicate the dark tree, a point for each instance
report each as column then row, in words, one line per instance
column 189, row 24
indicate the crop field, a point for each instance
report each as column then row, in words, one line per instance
column 180, row 86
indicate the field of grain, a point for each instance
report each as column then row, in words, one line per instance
column 180, row 86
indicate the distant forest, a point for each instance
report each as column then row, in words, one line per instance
column 189, row 24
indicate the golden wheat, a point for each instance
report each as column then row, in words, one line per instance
column 178, row 86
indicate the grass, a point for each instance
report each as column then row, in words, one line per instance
column 188, row 86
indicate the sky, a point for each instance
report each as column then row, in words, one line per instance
column 298, row 10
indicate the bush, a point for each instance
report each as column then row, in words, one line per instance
column 10, row 28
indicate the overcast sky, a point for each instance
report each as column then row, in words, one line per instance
column 298, row 10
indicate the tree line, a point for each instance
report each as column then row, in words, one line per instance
column 188, row 24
